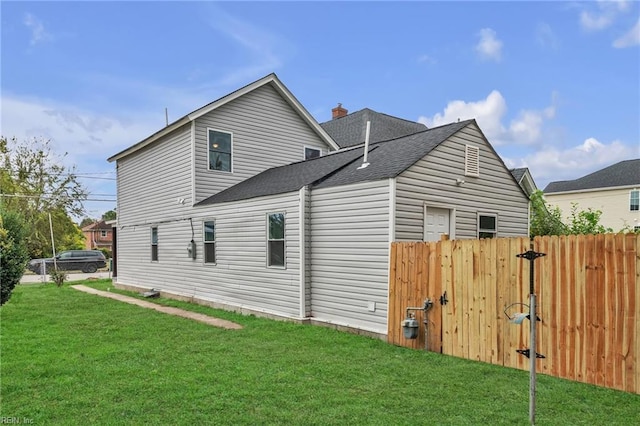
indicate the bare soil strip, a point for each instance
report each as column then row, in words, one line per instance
column 216, row 322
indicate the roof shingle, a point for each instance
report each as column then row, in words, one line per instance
column 623, row 173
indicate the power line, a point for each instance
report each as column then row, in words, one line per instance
column 52, row 197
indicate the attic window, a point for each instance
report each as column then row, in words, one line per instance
column 471, row 161
column 310, row 153
column 220, row 150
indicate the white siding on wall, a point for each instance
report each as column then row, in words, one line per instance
column 613, row 203
column 152, row 180
column 266, row 133
column 433, row 180
column 350, row 254
column 240, row 276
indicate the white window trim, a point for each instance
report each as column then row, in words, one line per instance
column 284, row 239
column 103, row 233
column 205, row 242
column 209, row 151
column 304, row 151
column 631, row 192
column 478, row 230
column 470, row 152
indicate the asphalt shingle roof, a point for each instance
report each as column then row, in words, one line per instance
column 386, row 159
column 620, row 174
column 350, row 130
column 287, row 178
column 518, row 173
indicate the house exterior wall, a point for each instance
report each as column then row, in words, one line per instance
column 266, row 131
column 432, row 180
column 612, row 202
column 93, row 239
column 240, row 276
column 152, row 181
column 350, row 255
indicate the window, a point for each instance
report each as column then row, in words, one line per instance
column 310, row 153
column 634, row 200
column 275, row 240
column 154, row 244
column 487, row 226
column 103, row 234
column 220, row 145
column 209, row 242
column 471, row 161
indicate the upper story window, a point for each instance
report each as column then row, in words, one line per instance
column 634, row 200
column 487, row 225
column 220, row 150
column 310, row 153
column 209, row 242
column 275, row 240
column 103, row 233
column 154, row 244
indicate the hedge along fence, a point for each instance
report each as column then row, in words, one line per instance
column 588, row 297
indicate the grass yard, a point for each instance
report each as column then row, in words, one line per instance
column 74, row 358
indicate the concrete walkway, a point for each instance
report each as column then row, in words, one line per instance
column 216, row 322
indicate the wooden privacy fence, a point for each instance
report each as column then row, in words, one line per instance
column 588, row 297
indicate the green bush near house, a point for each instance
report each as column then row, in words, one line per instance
column 13, row 252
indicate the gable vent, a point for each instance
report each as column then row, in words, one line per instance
column 471, row 161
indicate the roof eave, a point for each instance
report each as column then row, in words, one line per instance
column 603, row 188
column 269, row 79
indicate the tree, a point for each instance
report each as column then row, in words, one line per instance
column 109, row 215
column 547, row 220
column 13, row 252
column 87, row 221
column 544, row 219
column 35, row 183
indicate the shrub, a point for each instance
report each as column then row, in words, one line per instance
column 58, row 277
column 13, row 252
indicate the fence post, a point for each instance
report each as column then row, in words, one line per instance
column 531, row 353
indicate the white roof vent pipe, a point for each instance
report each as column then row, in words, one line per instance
column 366, row 146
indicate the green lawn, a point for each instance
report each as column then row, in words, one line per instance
column 73, row 358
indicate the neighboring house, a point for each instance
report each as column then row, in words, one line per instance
column 98, row 235
column 614, row 190
column 248, row 203
column 525, row 180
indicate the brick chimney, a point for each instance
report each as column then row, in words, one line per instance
column 338, row 112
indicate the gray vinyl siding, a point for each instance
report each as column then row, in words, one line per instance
column 433, row 180
column 152, row 180
column 350, row 254
column 267, row 133
column 240, row 276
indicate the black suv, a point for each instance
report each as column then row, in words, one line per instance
column 73, row 260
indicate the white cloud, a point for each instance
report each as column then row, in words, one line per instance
column 426, row 59
column 525, row 129
column 551, row 163
column 604, row 16
column 489, row 47
column 38, row 32
column 265, row 49
column 88, row 137
column 631, row 38
column 546, row 37
column 595, row 22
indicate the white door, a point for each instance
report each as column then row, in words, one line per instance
column 436, row 223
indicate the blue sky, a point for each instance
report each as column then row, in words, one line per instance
column 555, row 86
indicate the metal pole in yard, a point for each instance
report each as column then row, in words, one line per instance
column 53, row 244
column 532, row 353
